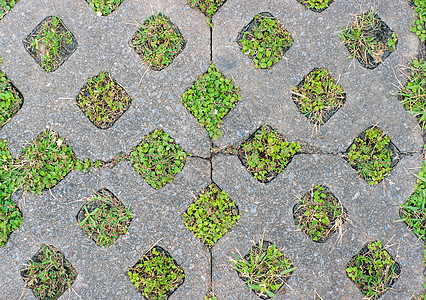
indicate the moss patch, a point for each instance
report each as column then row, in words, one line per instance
column 158, row 41
column 373, row 270
column 158, row 158
column 369, row 39
column 318, row 97
column 265, row 154
column 211, row 216
column 50, row 43
column 49, row 274
column 265, row 40
column 264, row 269
column 319, row 214
column 210, row 98
column 104, row 218
column 103, row 100
column 156, row 275
column 372, row 155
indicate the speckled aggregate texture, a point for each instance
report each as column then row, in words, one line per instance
column 266, row 209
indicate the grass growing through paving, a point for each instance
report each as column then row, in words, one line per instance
column 104, row 218
column 48, row 274
column 419, row 26
column 265, row 40
column 315, row 5
column 51, row 43
column 319, row 214
column 264, row 269
column 207, row 7
column 103, row 100
column 156, row 275
column 10, row 215
column 11, row 99
column 372, row 155
column 368, row 39
column 104, row 7
column 413, row 94
column 210, row 98
column 373, row 270
column 42, row 164
column 413, row 211
column 158, row 158
column 6, row 6
column 318, row 97
column 158, row 41
column 266, row 154
column 211, row 216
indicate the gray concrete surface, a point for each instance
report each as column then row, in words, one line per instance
column 266, row 98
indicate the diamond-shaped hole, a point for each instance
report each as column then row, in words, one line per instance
column 49, row 274
column 6, row 6
column 207, row 7
column 50, row 43
column 45, row 162
column 210, row 99
column 316, row 6
column 373, row 270
column 103, row 100
column 318, row 96
column 158, row 41
column 11, row 100
column 369, row 39
column 10, row 215
column 211, row 216
column 413, row 95
column 157, row 274
column 265, row 153
column 158, row 158
column 265, row 40
column 319, row 214
column 104, row 7
column 372, row 155
column 104, row 218
column 267, row 268
column 413, row 211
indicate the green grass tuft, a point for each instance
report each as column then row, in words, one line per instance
column 49, row 274
column 413, row 94
column 319, row 214
column 104, row 7
column 104, row 218
column 158, row 41
column 11, row 99
column 103, row 100
column 315, row 5
column 6, row 6
column 372, row 155
column 265, row 40
column 156, row 275
column 211, row 216
column 419, row 26
column 264, row 269
column 373, row 270
column 318, row 97
column 158, row 158
column 266, row 154
column 210, row 98
column 369, row 39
